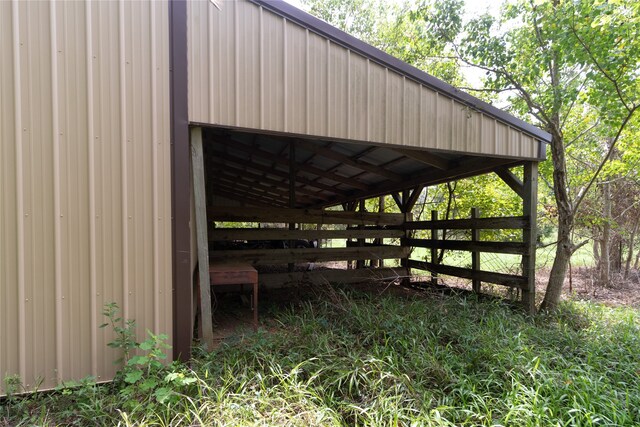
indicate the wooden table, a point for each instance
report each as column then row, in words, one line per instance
column 237, row 274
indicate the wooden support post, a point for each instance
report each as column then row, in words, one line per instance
column 529, row 207
column 404, row 262
column 349, row 207
column 381, row 201
column 292, row 194
column 434, row 251
column 475, row 255
column 197, row 168
column 360, row 262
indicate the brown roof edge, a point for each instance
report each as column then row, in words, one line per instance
column 314, row 24
column 180, row 181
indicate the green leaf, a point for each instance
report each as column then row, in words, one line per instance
column 138, row 360
column 147, row 345
column 149, row 384
column 133, row 377
column 163, row 394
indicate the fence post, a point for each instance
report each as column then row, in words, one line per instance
column 475, row 255
column 529, row 208
column 434, row 251
column 361, row 242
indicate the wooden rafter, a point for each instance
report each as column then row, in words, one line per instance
column 272, row 171
column 357, row 164
column 244, row 170
column 470, row 167
column 253, row 201
column 307, row 168
column 255, row 185
column 248, row 190
column 426, row 158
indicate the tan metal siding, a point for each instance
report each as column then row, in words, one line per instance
column 318, row 72
column 251, row 68
column 85, row 169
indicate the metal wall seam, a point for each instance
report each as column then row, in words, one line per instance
column 420, row 142
column 350, row 101
column 92, row 190
column 307, row 83
column 19, row 191
column 328, row 91
column 154, row 171
column 285, row 69
column 387, row 136
column 123, row 162
column 367, row 125
column 210, row 34
column 403, row 124
column 56, row 190
column 261, row 66
column 236, row 74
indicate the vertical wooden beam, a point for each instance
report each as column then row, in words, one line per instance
column 379, row 241
column 404, row 262
column 361, row 242
column 182, row 292
column 292, row 194
column 529, row 208
column 434, row 251
column 197, row 168
column 475, row 255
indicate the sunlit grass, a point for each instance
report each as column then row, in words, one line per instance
column 348, row 358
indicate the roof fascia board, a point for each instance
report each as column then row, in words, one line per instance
column 336, row 35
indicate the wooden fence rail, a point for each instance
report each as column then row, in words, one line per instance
column 517, row 248
column 505, row 223
column 467, row 273
column 303, row 216
column 285, row 256
column 474, row 246
column 231, row 234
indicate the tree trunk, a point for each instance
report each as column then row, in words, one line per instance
column 632, row 239
column 565, row 222
column 559, row 267
column 604, row 268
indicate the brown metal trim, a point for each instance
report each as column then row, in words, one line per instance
column 340, row 37
column 180, row 181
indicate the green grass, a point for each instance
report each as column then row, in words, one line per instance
column 349, row 358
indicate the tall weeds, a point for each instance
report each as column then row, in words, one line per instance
column 349, row 358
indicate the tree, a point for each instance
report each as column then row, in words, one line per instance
column 553, row 57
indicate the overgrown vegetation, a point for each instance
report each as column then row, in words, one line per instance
column 349, row 358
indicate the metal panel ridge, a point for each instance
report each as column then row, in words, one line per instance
column 340, row 37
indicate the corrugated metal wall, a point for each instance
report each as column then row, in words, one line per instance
column 85, row 200
column 250, row 68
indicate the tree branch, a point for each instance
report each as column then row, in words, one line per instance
column 606, row 158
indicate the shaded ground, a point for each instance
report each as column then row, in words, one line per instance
column 580, row 284
column 233, row 315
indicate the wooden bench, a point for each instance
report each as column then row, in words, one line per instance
column 236, row 274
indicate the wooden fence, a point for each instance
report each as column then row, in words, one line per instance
column 364, row 231
column 475, row 246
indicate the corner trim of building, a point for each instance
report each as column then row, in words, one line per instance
column 182, row 288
